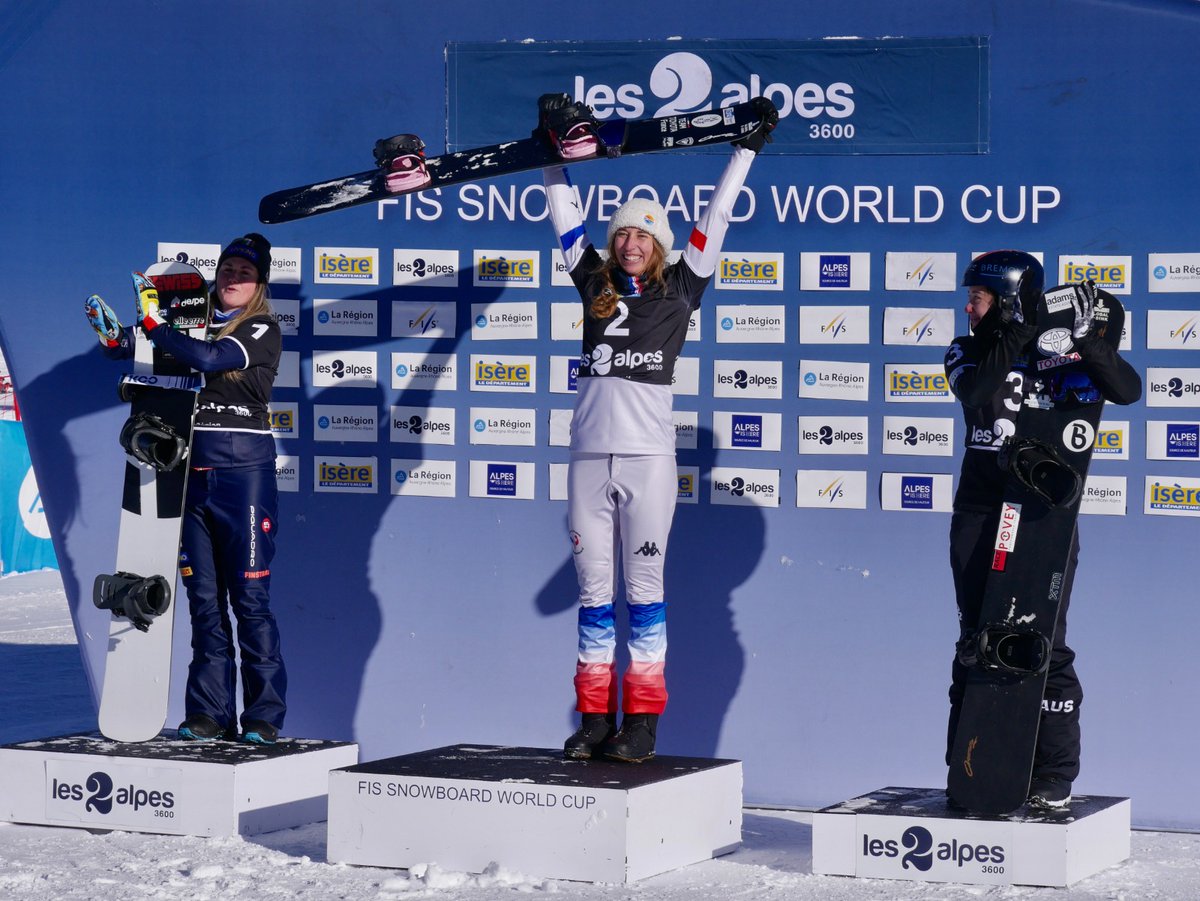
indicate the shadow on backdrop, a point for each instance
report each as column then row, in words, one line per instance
column 330, row 615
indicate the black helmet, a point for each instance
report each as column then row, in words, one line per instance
column 1006, row 273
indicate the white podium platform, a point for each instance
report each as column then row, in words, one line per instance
column 911, row 833
column 167, row 785
column 466, row 806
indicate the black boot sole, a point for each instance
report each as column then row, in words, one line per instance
column 612, row 756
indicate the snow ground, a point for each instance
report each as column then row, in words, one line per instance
column 43, row 693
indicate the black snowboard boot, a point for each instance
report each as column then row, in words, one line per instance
column 259, row 732
column 635, row 742
column 202, row 727
column 597, row 728
column 1049, row 793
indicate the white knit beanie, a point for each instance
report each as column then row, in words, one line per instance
column 646, row 215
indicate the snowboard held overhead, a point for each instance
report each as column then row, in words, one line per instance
column 566, row 133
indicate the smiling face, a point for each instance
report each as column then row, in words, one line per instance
column 237, row 282
column 979, row 301
column 633, row 250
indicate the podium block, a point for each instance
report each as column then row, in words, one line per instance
column 912, row 833
column 466, row 806
column 168, row 786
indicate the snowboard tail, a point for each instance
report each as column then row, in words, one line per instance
column 408, row 171
column 1008, row 656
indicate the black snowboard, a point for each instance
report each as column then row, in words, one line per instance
column 618, row 138
column 1047, row 458
column 162, row 398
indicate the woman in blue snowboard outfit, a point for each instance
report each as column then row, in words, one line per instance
column 229, row 519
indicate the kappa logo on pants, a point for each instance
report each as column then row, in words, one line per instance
column 649, row 549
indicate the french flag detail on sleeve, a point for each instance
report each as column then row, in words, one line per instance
column 574, row 236
column 698, row 239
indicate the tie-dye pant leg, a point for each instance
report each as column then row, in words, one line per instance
column 624, row 502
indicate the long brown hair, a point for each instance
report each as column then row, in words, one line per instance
column 607, row 295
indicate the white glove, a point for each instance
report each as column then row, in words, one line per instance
column 1084, row 303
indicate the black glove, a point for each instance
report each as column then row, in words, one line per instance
column 761, row 136
column 1010, row 309
column 556, row 112
column 1029, row 294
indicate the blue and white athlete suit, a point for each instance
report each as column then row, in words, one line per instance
column 622, row 482
column 989, row 372
column 229, row 521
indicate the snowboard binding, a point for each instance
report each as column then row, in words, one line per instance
column 402, row 159
column 1025, row 652
column 569, row 127
column 1041, row 469
column 137, row 599
column 149, row 440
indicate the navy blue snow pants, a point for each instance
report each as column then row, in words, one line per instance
column 972, row 541
column 225, row 560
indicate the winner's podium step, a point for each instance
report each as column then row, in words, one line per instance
column 912, row 833
column 466, row 806
column 168, row 785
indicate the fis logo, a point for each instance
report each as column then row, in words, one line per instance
column 424, row 321
column 835, row 326
column 832, row 491
column 920, row 330
column 1185, row 333
column 922, row 274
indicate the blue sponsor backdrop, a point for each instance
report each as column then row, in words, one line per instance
column 814, row 643
column 847, row 96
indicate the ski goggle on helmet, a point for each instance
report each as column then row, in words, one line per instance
column 1001, row 271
